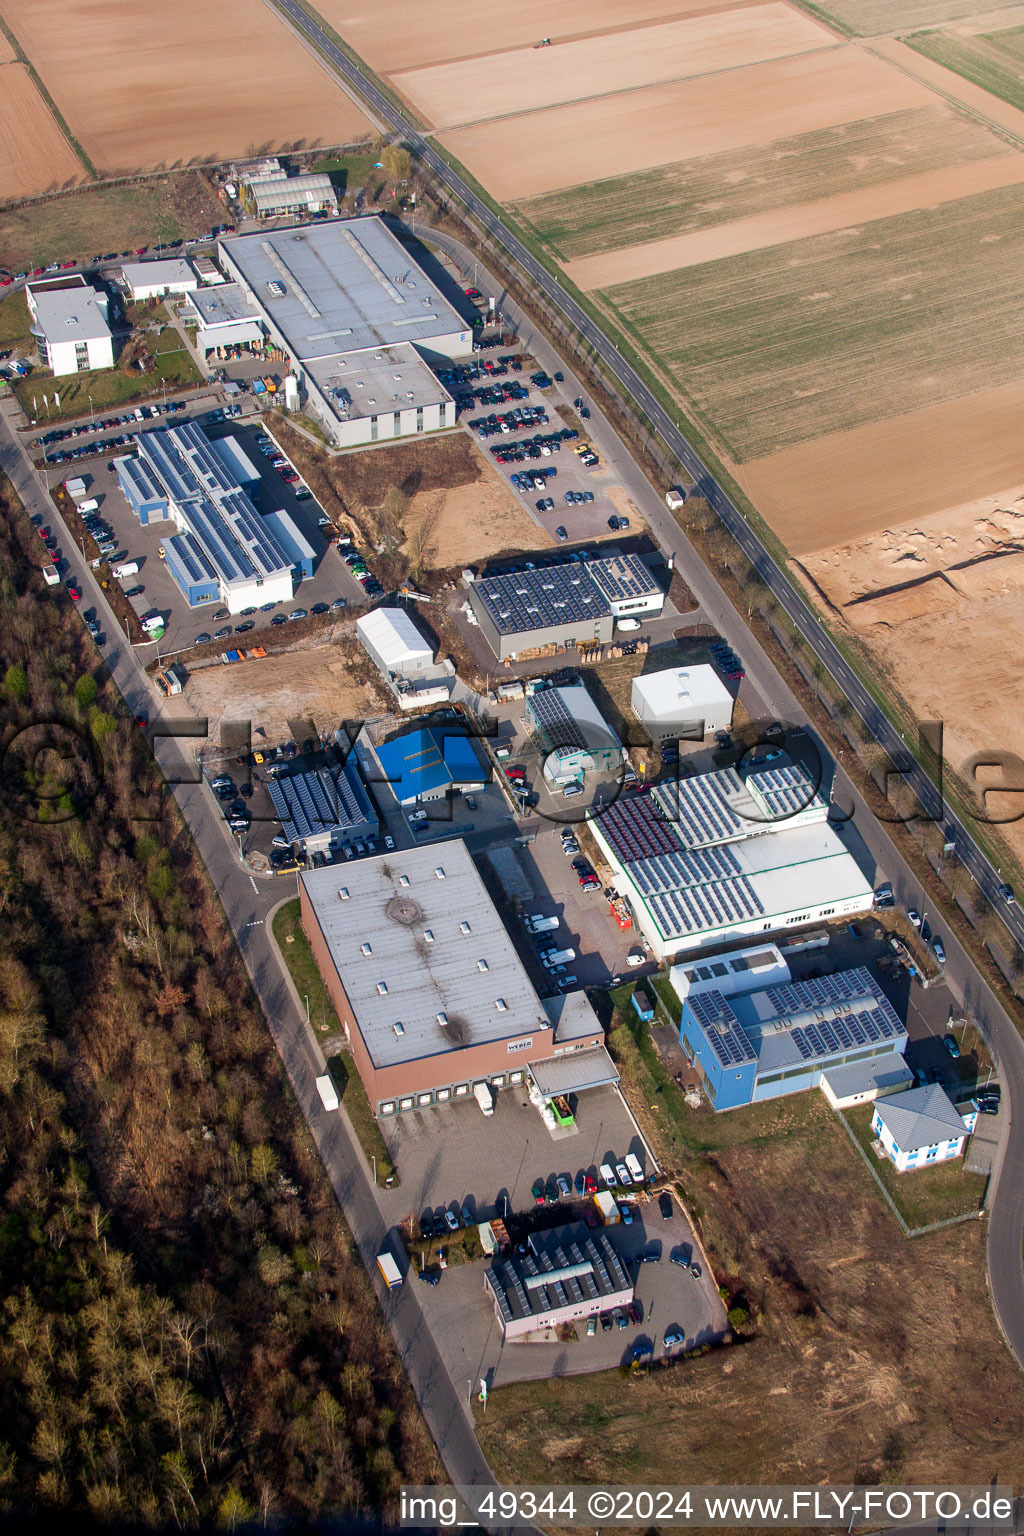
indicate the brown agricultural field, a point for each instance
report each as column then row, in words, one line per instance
column 34, row 154
column 143, row 86
column 392, row 35
column 869, row 18
column 684, row 120
column 527, row 80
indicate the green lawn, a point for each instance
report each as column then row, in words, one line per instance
column 14, row 324
column 302, row 967
column 713, row 189
column 926, row 1194
column 991, row 61
column 108, row 389
column 349, row 172
column 869, row 18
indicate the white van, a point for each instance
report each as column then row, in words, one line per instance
column 152, row 621
column 126, row 568
column 85, row 507
column 627, row 625
column 572, row 789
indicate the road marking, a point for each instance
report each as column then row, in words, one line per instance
column 254, row 885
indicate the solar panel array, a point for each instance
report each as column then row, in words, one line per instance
column 634, row 830
column 310, row 803
column 850, row 1011
column 782, row 791
column 677, row 870
column 623, row 576
column 542, row 599
column 699, row 809
column 721, row 1029
column 561, row 729
column 823, row 991
column 573, row 1270
column 688, row 892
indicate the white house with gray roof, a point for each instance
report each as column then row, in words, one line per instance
column 921, row 1127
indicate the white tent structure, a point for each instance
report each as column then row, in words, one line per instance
column 391, row 639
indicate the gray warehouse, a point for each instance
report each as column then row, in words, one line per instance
column 322, row 808
column 357, row 319
column 566, row 1274
column 562, row 604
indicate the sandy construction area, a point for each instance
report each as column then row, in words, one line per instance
column 34, row 154
column 926, row 190
column 935, row 600
column 851, row 484
column 666, row 123
column 392, row 35
column 146, row 85
column 527, row 79
column 469, row 522
column 315, row 685
column 953, row 87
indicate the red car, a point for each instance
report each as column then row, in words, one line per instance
column 66, row 264
column 5, row 282
column 471, row 293
column 516, row 774
column 37, row 272
column 73, row 593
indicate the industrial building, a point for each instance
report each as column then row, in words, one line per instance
column 681, row 703
column 156, row 279
column 394, row 643
column 223, row 316
column 778, row 1040
column 562, row 604
column 741, row 970
column 324, row 809
column 426, row 982
column 921, row 1127
column 571, row 734
column 566, row 1274
column 357, row 319
column 71, row 324
column 705, row 861
column 223, row 548
column 429, row 763
column 273, row 195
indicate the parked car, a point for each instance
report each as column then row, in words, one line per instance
column 673, row 1339
column 939, row 951
column 680, row 1258
column 949, row 1042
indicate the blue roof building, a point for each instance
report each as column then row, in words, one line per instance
column 782, row 1039
column 425, row 764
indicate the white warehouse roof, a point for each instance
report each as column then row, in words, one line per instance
column 423, row 955
column 393, row 636
column 679, row 693
column 172, row 273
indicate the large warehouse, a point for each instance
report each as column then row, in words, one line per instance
column 324, row 808
column 681, row 703
column 571, row 734
column 427, row 983
column 760, row 1045
column 562, row 603
column 357, row 319
column 704, row 861
column 429, row 762
column 224, row 549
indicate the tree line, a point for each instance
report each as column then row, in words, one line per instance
column 187, row 1335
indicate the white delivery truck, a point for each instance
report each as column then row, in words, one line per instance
column 560, row 957
column 390, row 1271
column 484, row 1095
column 633, row 1164
column 92, row 505
column 541, row 924
column 328, row 1093
column 125, row 568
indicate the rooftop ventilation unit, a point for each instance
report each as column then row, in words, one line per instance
column 482, row 965
column 439, row 872
column 366, row 949
column 428, row 934
column 501, row 1005
column 442, row 1018
column 275, row 289
column 398, row 1027
column 382, row 988
column 343, row 893
column 403, row 879
column 464, row 927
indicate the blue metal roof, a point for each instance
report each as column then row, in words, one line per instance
column 427, row 760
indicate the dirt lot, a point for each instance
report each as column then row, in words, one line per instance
column 138, row 91
column 34, row 154
column 935, row 600
column 98, row 219
column 392, row 35
column 780, row 346
column 686, row 119
column 843, row 1384
column 853, row 484
column 527, row 80
column 456, row 508
column 331, row 683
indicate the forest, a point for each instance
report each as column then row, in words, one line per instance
column 188, row 1338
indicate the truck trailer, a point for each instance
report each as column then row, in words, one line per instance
column 484, row 1095
column 390, row 1271
column 327, row 1091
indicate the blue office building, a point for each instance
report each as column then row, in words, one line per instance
column 425, row 764
column 782, row 1039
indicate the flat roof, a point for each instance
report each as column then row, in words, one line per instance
column 223, row 303
column 342, row 285
column 393, row 635
column 878, row 1075
column 426, row 759
column 374, row 383
column 621, row 577
column 521, row 601
column 164, row 273
column 676, row 692
column 436, row 944
column 69, row 314
column 235, row 460
column 565, row 1267
column 574, row 1071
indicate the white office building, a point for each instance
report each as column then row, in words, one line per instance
column 681, row 703
column 156, row 279
column 71, row 325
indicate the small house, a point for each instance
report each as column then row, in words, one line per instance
column 921, row 1127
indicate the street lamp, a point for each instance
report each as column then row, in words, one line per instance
column 373, row 1160
column 307, row 1006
